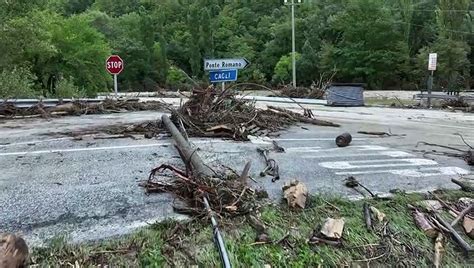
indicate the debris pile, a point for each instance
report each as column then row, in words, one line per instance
column 210, row 113
column 228, row 196
column 431, row 219
column 78, row 107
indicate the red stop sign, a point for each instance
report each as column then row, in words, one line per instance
column 114, row 64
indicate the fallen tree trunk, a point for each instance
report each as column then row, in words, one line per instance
column 424, row 224
column 465, row 186
column 189, row 154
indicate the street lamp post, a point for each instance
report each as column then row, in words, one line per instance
column 293, row 3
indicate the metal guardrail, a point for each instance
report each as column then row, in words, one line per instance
column 26, row 103
column 443, row 96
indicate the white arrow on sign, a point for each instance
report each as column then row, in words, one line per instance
column 225, row 64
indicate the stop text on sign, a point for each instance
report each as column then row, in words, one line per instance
column 114, row 64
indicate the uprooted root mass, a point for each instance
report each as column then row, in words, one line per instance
column 227, row 197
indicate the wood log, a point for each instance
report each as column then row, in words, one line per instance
column 468, row 225
column 315, row 240
column 333, row 228
column 367, row 217
column 422, row 222
column 13, row 251
column 462, row 214
column 430, row 205
column 465, row 186
column 245, row 173
column 378, row 214
column 295, row 194
column 438, row 249
column 455, row 235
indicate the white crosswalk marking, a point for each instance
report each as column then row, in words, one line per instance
column 385, row 163
column 421, row 172
column 383, row 153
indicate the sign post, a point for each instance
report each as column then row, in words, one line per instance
column 432, row 63
column 114, row 65
column 292, row 3
column 224, row 70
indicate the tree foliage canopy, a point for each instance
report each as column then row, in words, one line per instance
column 382, row 43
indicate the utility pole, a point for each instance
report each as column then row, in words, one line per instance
column 293, row 3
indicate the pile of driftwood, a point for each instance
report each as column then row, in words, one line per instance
column 227, row 196
column 198, row 184
column 9, row 110
column 210, row 113
column 428, row 216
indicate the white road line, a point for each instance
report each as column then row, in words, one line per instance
column 319, row 149
column 389, row 163
column 383, row 153
column 422, row 172
column 83, row 149
column 101, row 148
column 318, row 139
column 302, row 149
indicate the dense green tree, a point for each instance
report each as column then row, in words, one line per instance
column 371, row 48
column 64, row 43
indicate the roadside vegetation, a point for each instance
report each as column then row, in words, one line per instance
column 58, row 47
column 190, row 243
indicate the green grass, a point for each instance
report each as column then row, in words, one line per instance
column 190, row 243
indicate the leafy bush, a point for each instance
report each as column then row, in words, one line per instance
column 175, row 77
column 17, row 83
column 284, row 68
column 67, row 89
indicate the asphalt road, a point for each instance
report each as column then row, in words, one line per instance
column 52, row 185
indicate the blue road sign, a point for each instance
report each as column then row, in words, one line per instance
column 223, row 76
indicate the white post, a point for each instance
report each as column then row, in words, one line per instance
column 115, row 86
column 293, row 36
column 223, row 86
